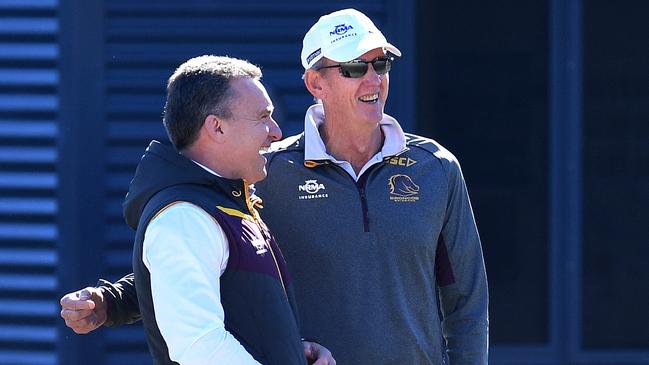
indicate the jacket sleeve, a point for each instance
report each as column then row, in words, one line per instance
column 462, row 279
column 121, row 301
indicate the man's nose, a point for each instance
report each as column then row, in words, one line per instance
column 371, row 75
column 275, row 132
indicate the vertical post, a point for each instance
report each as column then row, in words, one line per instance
column 81, row 164
column 566, row 175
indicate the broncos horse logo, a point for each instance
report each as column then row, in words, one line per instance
column 402, row 185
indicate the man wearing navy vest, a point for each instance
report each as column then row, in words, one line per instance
column 376, row 224
column 212, row 284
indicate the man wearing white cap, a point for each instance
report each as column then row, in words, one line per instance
column 375, row 224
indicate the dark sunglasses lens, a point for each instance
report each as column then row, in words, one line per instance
column 353, row 70
column 356, row 69
column 382, row 65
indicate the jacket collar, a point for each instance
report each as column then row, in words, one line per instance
column 315, row 149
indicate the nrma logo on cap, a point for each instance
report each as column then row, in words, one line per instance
column 341, row 29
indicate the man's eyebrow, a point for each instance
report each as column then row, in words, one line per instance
column 268, row 110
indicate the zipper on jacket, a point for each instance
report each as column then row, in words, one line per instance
column 255, row 216
column 360, row 185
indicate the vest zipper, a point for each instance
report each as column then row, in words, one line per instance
column 255, row 216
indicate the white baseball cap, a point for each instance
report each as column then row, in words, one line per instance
column 342, row 36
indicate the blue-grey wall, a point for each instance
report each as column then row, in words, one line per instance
column 544, row 103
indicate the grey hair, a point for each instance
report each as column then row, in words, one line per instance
column 318, row 64
column 200, row 87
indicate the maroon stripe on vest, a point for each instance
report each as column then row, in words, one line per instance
column 246, row 243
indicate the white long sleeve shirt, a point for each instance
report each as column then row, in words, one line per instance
column 186, row 251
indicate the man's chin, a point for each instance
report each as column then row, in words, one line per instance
column 259, row 176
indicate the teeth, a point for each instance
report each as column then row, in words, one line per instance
column 371, row 97
column 264, row 149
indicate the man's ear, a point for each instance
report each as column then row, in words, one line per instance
column 313, row 81
column 213, row 127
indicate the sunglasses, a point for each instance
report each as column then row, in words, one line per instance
column 358, row 68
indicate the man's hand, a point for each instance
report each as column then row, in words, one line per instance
column 84, row 310
column 317, row 354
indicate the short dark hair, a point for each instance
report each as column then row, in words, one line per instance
column 200, row 87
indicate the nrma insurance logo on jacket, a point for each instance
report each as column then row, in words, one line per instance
column 313, row 190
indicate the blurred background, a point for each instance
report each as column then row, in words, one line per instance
column 545, row 103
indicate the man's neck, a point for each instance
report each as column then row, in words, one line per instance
column 354, row 145
column 201, row 156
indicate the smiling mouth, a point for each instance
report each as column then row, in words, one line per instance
column 371, row 98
